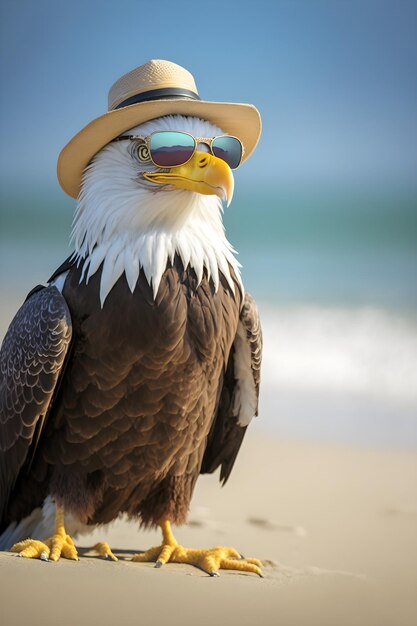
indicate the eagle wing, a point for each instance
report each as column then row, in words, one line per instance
column 239, row 394
column 31, row 361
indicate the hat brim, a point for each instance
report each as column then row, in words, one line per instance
column 241, row 120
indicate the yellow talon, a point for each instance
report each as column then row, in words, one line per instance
column 33, row 549
column 57, row 546
column 60, row 544
column 209, row 560
column 103, row 549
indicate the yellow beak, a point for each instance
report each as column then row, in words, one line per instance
column 203, row 173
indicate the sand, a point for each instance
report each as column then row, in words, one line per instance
column 336, row 527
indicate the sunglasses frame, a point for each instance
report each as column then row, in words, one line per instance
column 208, row 141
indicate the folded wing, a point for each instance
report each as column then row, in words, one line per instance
column 31, row 361
column 239, row 394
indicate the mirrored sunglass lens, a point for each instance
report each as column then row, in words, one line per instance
column 229, row 149
column 169, row 149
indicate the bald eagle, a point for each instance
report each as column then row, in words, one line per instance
column 137, row 367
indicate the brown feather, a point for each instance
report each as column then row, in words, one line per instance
column 226, row 434
column 145, row 397
column 31, row 360
column 139, row 395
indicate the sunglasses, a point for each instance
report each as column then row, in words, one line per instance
column 169, row 148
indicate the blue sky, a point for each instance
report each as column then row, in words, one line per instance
column 335, row 80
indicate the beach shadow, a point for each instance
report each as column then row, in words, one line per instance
column 122, row 554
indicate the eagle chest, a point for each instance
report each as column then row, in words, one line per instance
column 144, row 369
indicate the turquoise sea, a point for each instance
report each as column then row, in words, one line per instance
column 335, row 274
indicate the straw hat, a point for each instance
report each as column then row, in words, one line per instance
column 154, row 89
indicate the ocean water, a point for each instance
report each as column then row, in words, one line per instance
column 335, row 276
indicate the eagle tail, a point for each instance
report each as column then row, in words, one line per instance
column 17, row 531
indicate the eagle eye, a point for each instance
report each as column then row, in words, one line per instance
column 141, row 152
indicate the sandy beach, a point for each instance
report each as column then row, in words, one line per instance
column 335, row 527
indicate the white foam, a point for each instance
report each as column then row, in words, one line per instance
column 363, row 351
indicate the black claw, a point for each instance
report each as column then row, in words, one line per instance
column 214, row 574
column 158, row 564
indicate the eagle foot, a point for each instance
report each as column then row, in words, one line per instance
column 57, row 546
column 60, row 544
column 210, row 560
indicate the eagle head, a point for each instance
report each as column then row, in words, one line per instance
column 132, row 214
